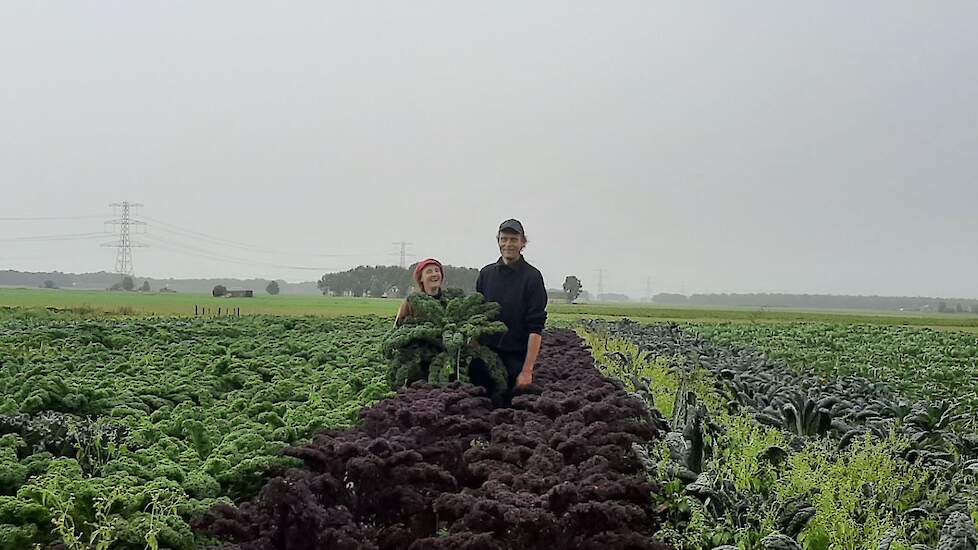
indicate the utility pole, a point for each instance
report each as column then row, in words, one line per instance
column 403, row 245
column 123, row 258
column 648, row 289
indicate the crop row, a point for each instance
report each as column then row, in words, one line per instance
column 919, row 363
column 439, row 467
column 760, row 453
column 115, row 432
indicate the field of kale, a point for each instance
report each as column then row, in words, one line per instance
column 114, row 432
column 261, row 433
column 766, row 453
column 265, row 432
column 438, row 467
column 919, row 363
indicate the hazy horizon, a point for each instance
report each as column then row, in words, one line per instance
column 823, row 149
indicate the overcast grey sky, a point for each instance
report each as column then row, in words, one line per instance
column 714, row 147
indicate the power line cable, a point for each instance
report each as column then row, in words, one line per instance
column 188, row 234
column 64, row 237
column 202, row 253
column 45, row 218
column 175, row 229
column 249, row 263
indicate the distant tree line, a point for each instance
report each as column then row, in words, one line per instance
column 126, row 283
column 822, row 301
column 102, row 280
column 612, row 297
column 393, row 281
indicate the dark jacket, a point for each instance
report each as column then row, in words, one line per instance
column 519, row 289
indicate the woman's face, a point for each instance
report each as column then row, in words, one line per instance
column 431, row 278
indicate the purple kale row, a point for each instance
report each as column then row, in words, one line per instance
column 437, row 467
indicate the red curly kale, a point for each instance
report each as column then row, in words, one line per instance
column 437, row 467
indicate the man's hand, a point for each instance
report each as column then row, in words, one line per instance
column 532, row 350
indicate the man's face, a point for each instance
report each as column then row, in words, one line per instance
column 510, row 245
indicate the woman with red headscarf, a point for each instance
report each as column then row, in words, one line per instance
column 428, row 276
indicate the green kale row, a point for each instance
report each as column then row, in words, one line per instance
column 118, row 431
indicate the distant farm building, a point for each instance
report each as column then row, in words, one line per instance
column 240, row 294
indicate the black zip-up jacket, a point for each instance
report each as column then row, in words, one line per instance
column 519, row 289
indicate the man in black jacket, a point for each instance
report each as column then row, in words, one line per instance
column 518, row 287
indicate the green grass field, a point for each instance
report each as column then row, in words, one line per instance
column 155, row 303
column 707, row 314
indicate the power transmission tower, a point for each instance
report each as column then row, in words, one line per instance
column 125, row 244
column 648, row 289
column 600, row 282
column 403, row 245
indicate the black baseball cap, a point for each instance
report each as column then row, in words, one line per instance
column 512, row 225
